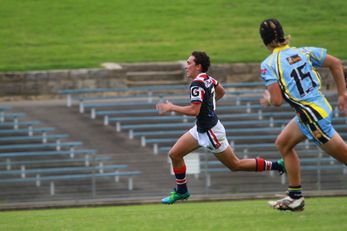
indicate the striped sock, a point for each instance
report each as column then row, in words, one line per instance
column 262, row 165
column 181, row 180
column 295, row 192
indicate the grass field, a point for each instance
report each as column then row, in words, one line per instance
column 320, row 214
column 41, row 34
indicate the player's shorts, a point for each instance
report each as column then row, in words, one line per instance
column 214, row 139
column 319, row 132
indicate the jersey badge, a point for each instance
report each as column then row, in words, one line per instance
column 293, row 59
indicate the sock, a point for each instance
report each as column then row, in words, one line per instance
column 275, row 165
column 294, row 192
column 262, row 165
column 181, row 181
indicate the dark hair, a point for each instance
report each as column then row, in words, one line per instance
column 271, row 31
column 202, row 59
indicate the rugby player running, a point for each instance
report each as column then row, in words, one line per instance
column 289, row 74
column 208, row 131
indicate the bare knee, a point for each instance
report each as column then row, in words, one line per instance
column 172, row 155
column 282, row 145
column 175, row 158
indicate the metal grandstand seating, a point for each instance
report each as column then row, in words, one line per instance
column 70, row 92
column 16, row 124
column 31, row 154
column 179, row 132
column 131, row 115
column 150, row 102
column 24, row 172
column 70, row 177
column 72, row 152
column 146, row 90
column 250, row 127
column 258, row 115
column 44, row 138
column 87, row 161
column 35, row 146
column 5, row 107
column 124, row 122
column 30, row 131
column 248, row 108
column 270, row 123
column 12, row 116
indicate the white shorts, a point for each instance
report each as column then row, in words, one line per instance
column 214, row 139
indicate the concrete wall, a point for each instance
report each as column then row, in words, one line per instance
column 45, row 84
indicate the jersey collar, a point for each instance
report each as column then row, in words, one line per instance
column 202, row 75
column 277, row 49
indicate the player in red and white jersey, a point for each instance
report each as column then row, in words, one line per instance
column 208, row 131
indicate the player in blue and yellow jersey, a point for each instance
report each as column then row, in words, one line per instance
column 289, row 74
column 208, row 131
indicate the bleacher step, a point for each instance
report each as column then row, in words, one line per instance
column 157, row 66
column 146, row 78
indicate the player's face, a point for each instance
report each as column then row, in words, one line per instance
column 192, row 70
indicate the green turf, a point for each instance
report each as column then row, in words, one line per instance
column 41, row 34
column 320, row 214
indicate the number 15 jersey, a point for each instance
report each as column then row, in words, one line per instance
column 294, row 70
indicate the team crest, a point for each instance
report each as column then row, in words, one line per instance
column 293, row 59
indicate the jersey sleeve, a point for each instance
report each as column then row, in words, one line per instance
column 197, row 92
column 215, row 82
column 267, row 74
column 317, row 55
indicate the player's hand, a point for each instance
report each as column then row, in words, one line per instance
column 164, row 107
column 265, row 100
column 342, row 102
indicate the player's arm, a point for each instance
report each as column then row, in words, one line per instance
column 191, row 110
column 336, row 68
column 197, row 93
column 219, row 90
column 272, row 96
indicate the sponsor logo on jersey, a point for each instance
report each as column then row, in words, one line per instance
column 293, row 59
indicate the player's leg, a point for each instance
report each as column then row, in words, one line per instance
column 215, row 140
column 183, row 146
column 230, row 160
column 337, row 148
column 286, row 142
